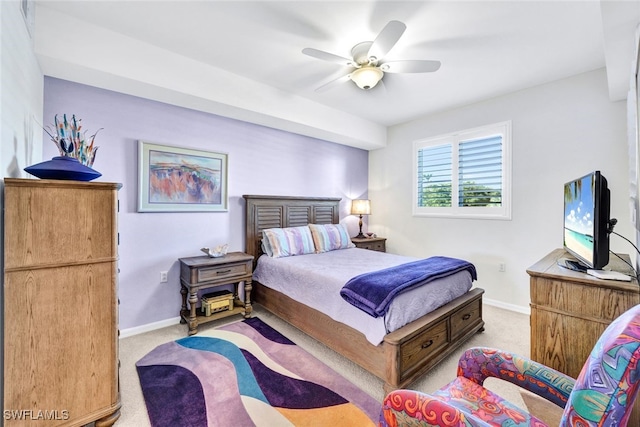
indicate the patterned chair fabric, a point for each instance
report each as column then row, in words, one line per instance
column 602, row 395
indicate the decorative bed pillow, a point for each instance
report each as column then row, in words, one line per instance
column 329, row 237
column 266, row 247
column 283, row 242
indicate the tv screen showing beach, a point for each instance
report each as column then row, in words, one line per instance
column 579, row 217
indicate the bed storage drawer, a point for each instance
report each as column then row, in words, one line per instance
column 423, row 345
column 466, row 318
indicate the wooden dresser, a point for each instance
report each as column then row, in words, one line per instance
column 570, row 310
column 60, row 303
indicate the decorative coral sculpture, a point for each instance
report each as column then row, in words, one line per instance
column 218, row 251
column 72, row 142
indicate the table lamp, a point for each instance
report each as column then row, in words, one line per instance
column 360, row 207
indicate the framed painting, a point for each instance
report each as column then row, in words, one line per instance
column 174, row 179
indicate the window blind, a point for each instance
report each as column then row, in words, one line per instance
column 480, row 172
column 434, row 179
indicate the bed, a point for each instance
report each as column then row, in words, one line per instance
column 404, row 354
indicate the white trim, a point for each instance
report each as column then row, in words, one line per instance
column 510, row 307
column 129, row 332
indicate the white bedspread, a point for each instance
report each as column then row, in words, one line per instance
column 316, row 279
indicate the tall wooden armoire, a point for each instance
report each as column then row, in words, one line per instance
column 60, row 303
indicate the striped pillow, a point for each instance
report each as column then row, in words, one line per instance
column 329, row 237
column 290, row 241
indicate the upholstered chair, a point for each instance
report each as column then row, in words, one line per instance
column 602, row 395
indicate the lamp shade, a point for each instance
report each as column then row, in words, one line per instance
column 366, row 77
column 360, row 207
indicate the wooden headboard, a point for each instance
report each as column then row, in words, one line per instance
column 264, row 212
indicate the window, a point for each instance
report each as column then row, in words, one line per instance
column 465, row 174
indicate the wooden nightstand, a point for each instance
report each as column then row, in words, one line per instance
column 203, row 272
column 373, row 243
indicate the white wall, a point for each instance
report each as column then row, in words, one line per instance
column 21, row 87
column 560, row 131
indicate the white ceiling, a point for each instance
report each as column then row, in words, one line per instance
column 243, row 59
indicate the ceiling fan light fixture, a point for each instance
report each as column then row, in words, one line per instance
column 368, row 59
column 366, row 77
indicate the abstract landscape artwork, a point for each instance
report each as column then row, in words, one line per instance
column 174, row 179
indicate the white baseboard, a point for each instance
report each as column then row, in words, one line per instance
column 129, row 332
column 510, row 307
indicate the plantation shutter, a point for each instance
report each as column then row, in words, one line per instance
column 480, row 172
column 434, row 176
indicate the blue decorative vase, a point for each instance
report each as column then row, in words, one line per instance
column 63, row 167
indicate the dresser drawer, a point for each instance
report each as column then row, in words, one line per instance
column 223, row 272
column 420, row 347
column 465, row 318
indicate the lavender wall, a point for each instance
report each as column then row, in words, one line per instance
column 261, row 161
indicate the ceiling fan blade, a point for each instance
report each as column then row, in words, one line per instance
column 326, row 56
column 415, row 66
column 387, row 38
column 333, row 83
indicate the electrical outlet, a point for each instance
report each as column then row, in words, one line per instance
column 163, row 277
column 502, row 267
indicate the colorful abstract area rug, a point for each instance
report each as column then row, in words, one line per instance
column 246, row 374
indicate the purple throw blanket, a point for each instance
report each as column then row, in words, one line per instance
column 373, row 292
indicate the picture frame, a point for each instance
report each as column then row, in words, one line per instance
column 177, row 179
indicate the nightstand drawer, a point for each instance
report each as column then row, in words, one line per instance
column 223, row 272
column 374, row 246
column 203, row 270
column 373, row 243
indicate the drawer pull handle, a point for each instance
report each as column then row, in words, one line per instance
column 223, row 271
column 427, row 344
column 466, row 316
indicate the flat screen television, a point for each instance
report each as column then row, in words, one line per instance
column 586, row 220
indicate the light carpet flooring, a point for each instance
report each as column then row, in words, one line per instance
column 504, row 329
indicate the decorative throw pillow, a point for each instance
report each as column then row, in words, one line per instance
column 283, row 242
column 329, row 237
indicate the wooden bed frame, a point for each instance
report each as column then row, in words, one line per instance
column 405, row 354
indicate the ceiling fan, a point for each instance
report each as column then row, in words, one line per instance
column 368, row 62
